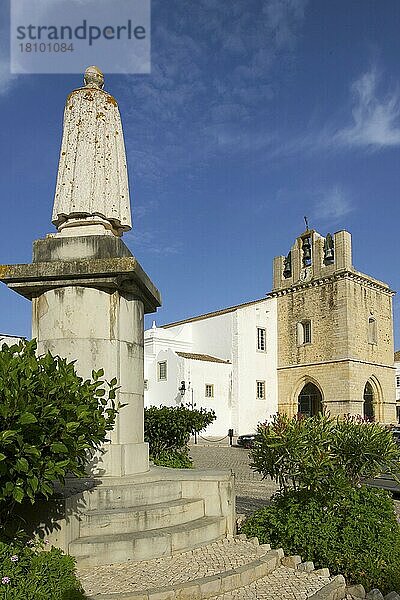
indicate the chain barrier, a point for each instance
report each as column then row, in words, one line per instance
column 216, row 441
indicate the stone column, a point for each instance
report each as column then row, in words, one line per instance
column 91, row 310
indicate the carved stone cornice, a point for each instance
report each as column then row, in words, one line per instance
column 360, row 278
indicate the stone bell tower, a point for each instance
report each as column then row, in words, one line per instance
column 335, row 332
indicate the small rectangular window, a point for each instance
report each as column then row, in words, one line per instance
column 146, row 385
column 209, row 390
column 372, row 331
column 307, row 332
column 260, row 390
column 398, row 381
column 261, row 339
column 303, row 333
column 162, row 370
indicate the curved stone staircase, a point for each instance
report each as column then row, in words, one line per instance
column 138, row 518
column 234, row 568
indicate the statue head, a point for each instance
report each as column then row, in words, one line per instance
column 94, row 78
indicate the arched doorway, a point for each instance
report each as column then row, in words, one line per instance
column 310, row 400
column 368, row 406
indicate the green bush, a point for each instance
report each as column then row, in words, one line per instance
column 320, row 453
column 50, row 422
column 354, row 533
column 31, row 573
column 175, row 459
column 168, row 430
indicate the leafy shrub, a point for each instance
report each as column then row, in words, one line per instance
column 320, row 453
column 168, row 429
column 175, row 459
column 354, row 533
column 50, row 421
column 31, row 573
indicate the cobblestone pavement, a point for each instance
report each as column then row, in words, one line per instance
column 281, row 584
column 251, row 491
column 169, row 570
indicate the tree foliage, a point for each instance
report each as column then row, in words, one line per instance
column 51, row 420
column 321, row 453
column 353, row 532
column 168, row 430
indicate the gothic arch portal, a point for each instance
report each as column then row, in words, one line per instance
column 308, row 397
column 372, row 400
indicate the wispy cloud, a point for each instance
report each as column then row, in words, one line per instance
column 151, row 243
column 331, row 205
column 215, row 68
column 376, row 115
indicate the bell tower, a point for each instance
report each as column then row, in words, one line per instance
column 335, row 332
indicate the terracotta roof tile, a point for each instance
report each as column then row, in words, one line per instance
column 205, row 357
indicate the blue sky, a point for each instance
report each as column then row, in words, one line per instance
column 256, row 113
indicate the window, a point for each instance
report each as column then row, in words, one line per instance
column 304, row 333
column 162, row 371
column 146, row 385
column 261, row 339
column 398, row 381
column 260, row 390
column 209, row 390
column 307, row 332
column 372, row 331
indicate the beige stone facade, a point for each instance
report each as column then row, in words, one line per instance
column 335, row 332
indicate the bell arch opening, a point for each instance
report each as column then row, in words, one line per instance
column 310, row 400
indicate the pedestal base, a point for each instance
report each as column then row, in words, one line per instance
column 120, row 460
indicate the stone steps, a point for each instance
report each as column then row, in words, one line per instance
column 234, row 568
column 127, row 495
column 141, row 518
column 96, row 550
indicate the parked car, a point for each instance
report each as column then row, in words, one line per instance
column 385, row 481
column 246, row 440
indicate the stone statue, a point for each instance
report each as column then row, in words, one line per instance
column 92, row 191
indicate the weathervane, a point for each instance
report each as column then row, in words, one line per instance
column 306, row 222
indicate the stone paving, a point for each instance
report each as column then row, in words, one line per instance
column 169, row 570
column 216, row 558
column 282, row 584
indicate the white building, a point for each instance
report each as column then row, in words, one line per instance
column 224, row 360
column 9, row 339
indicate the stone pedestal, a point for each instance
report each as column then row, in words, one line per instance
column 89, row 296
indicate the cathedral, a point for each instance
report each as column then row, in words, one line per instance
column 321, row 340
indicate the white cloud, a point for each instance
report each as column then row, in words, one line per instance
column 211, row 83
column 376, row 115
column 150, row 242
column 332, row 205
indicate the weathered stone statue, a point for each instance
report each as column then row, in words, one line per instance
column 92, row 193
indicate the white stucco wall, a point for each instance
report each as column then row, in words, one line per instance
column 251, row 365
column 164, row 392
column 230, row 336
column 198, row 374
column 9, row 339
